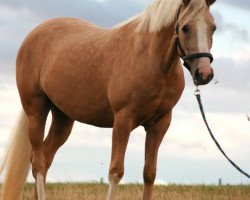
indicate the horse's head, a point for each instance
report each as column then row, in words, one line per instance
column 195, row 29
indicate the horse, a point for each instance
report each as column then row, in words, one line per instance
column 128, row 76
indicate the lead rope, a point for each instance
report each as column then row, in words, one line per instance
column 198, row 96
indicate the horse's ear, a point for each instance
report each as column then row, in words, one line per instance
column 210, row 2
column 186, row 2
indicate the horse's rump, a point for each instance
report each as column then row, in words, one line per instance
column 62, row 54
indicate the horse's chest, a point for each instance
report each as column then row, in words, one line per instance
column 163, row 102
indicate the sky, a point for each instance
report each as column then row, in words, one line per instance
column 187, row 154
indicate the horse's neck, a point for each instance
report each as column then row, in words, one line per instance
column 154, row 49
column 172, row 56
column 160, row 46
column 166, row 48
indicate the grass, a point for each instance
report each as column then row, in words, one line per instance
column 93, row 191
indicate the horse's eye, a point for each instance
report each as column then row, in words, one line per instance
column 185, row 29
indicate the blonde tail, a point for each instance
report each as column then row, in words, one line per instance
column 16, row 161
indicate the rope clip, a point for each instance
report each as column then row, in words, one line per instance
column 197, row 91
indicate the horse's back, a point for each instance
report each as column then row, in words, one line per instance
column 41, row 47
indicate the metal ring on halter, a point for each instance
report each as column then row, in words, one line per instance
column 197, row 91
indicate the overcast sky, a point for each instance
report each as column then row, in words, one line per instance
column 187, row 154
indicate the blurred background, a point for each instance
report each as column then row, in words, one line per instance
column 187, row 155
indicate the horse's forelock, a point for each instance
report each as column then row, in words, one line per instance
column 193, row 11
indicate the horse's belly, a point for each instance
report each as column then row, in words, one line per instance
column 85, row 102
column 89, row 111
column 100, row 118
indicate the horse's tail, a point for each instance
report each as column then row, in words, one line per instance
column 16, row 161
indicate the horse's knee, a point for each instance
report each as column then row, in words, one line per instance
column 149, row 175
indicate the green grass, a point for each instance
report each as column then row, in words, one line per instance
column 93, row 191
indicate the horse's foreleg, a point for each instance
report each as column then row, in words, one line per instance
column 37, row 109
column 155, row 134
column 59, row 132
column 123, row 125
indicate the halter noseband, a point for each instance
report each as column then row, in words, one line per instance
column 183, row 55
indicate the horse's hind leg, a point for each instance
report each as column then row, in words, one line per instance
column 58, row 134
column 36, row 109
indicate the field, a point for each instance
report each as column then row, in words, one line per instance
column 134, row 192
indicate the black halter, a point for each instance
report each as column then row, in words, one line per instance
column 183, row 55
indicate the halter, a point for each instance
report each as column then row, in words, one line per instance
column 182, row 53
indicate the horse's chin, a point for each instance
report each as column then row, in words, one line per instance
column 201, row 82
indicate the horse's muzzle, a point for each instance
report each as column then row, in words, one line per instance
column 201, row 78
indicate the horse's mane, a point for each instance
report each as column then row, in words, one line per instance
column 162, row 13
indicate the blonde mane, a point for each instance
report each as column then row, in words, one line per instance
column 162, row 13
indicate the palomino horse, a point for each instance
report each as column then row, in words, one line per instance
column 123, row 77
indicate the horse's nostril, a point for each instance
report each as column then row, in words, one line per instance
column 202, row 79
column 211, row 76
column 197, row 74
column 201, row 75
